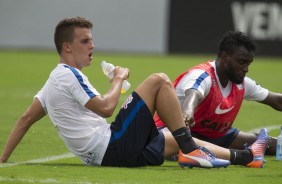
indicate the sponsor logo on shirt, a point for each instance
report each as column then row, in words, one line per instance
column 218, row 110
column 216, row 126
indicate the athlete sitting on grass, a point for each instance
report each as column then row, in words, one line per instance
column 78, row 112
column 211, row 95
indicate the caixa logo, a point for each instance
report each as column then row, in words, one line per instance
column 216, row 126
column 260, row 20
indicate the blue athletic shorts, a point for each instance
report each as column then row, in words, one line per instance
column 225, row 141
column 135, row 140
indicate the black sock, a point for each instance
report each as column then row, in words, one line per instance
column 240, row 157
column 184, row 140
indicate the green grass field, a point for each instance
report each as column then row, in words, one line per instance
column 42, row 157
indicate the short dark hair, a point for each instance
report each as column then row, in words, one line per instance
column 64, row 31
column 234, row 39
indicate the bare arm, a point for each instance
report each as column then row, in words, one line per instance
column 105, row 105
column 274, row 100
column 33, row 113
column 192, row 99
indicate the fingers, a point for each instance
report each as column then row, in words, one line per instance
column 124, row 72
column 189, row 121
column 128, row 74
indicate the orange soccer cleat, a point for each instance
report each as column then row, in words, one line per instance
column 201, row 157
column 258, row 149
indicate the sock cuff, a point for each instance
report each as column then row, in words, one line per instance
column 183, row 132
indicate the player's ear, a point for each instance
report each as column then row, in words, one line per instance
column 224, row 55
column 67, row 47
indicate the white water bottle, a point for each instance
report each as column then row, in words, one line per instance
column 279, row 146
column 108, row 69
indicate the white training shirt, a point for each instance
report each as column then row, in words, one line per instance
column 253, row 91
column 63, row 97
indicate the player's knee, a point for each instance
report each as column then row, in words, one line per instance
column 161, row 78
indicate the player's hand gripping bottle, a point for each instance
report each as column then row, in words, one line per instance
column 108, row 69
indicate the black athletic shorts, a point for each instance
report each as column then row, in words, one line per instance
column 135, row 140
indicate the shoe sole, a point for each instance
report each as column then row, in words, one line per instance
column 190, row 166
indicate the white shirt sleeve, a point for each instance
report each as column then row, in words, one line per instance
column 40, row 97
column 197, row 79
column 253, row 91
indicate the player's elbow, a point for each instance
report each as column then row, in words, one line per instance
column 104, row 105
column 107, row 112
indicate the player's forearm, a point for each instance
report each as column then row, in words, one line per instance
column 192, row 100
column 111, row 98
column 33, row 113
column 114, row 92
column 15, row 137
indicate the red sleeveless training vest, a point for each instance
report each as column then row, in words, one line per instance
column 215, row 114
